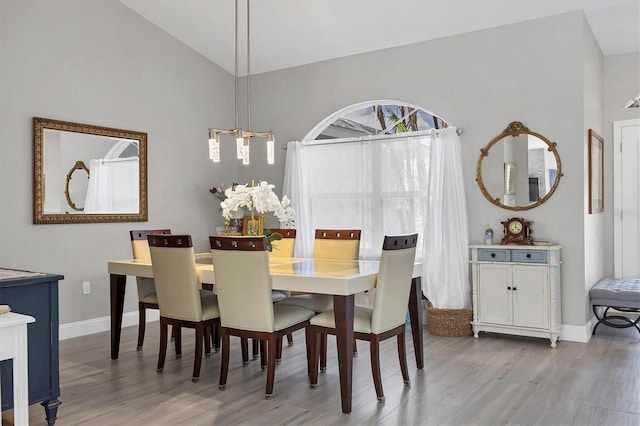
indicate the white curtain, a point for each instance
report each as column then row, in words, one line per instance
column 113, row 186
column 376, row 184
column 445, row 279
column 394, row 184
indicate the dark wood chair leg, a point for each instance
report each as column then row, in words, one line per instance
column 244, row 345
column 278, row 350
column 207, row 339
column 307, row 339
column 197, row 358
column 402, row 357
column 215, row 336
column 314, row 354
column 323, row 351
column 263, row 354
column 162, row 353
column 177, row 341
column 142, row 321
column 290, row 338
column 255, row 348
column 224, row 364
column 271, row 366
column 374, row 349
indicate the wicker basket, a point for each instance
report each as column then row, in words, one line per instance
column 449, row 322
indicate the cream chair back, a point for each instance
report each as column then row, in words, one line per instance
column 176, row 278
column 286, row 246
column 243, row 283
column 140, row 249
column 394, row 282
column 140, row 244
column 343, row 244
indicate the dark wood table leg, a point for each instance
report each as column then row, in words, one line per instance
column 118, row 285
column 415, row 315
column 343, row 310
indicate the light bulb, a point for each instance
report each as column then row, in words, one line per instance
column 271, row 149
column 214, row 147
column 245, row 152
column 239, row 143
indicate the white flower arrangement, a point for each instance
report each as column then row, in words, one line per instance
column 259, row 199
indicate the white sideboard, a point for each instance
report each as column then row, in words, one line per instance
column 516, row 290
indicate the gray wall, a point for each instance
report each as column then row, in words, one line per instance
column 97, row 62
column 530, row 72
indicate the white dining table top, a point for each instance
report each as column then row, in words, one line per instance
column 337, row 277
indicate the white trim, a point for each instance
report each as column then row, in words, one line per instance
column 98, row 325
column 315, row 132
column 578, row 333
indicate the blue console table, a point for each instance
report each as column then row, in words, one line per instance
column 34, row 294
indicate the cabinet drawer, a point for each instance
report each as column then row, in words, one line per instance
column 529, row 256
column 491, row 255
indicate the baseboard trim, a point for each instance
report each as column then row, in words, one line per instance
column 578, row 333
column 570, row 333
column 98, row 325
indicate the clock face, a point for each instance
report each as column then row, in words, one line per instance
column 515, row 227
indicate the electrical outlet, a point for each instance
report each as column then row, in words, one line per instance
column 86, row 287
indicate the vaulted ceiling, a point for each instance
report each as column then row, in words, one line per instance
column 287, row 33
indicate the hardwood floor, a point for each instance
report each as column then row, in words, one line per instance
column 494, row 380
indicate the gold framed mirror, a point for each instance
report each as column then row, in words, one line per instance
column 519, row 169
column 115, row 162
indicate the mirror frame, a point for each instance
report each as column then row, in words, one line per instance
column 516, row 128
column 39, row 125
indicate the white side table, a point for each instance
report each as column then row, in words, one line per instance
column 13, row 345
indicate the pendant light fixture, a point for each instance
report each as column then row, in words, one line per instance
column 242, row 136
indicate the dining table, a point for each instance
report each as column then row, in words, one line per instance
column 342, row 279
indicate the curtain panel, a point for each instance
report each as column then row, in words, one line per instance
column 380, row 185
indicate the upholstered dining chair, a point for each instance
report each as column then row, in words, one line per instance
column 243, row 285
column 387, row 317
column 338, row 244
column 147, row 298
column 284, row 248
column 181, row 300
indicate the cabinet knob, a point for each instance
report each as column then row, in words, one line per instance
column 528, row 255
column 508, row 288
column 514, row 289
column 493, row 255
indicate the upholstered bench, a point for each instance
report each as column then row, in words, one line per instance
column 621, row 294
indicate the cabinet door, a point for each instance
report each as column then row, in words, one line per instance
column 531, row 296
column 494, row 299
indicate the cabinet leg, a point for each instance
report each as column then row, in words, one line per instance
column 553, row 342
column 51, row 410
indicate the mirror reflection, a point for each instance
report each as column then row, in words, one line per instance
column 519, row 169
column 88, row 173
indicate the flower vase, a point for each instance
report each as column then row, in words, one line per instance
column 255, row 226
column 238, row 214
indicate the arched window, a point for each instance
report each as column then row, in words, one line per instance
column 399, row 176
column 374, row 118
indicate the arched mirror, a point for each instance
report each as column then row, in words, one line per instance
column 87, row 174
column 519, row 169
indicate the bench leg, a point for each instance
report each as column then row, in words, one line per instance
column 625, row 322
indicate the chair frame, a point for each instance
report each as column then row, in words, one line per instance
column 318, row 333
column 270, row 342
column 142, row 306
column 203, row 329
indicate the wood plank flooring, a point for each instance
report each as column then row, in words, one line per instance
column 493, row 380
